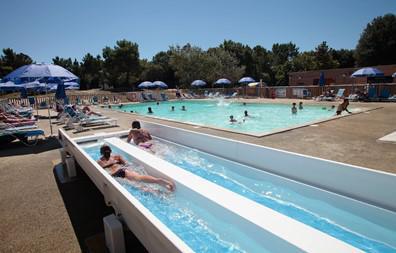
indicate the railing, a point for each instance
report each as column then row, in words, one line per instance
column 79, row 97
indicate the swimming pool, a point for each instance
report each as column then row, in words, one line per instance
column 262, row 119
column 209, row 218
column 362, row 225
column 282, row 196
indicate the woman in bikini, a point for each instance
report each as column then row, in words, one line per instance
column 116, row 165
column 140, row 137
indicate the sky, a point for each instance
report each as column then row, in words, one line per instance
column 44, row 29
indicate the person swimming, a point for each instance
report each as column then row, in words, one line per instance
column 118, row 167
column 232, row 120
column 294, row 109
column 149, row 110
column 300, row 106
column 183, row 108
column 172, row 108
column 140, row 137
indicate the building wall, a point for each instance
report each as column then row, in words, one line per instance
column 334, row 76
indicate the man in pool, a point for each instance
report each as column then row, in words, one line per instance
column 343, row 107
column 141, row 137
column 232, row 120
column 116, row 165
column 294, row 109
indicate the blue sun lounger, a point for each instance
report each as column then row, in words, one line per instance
column 10, row 134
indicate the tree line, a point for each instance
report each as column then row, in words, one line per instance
column 121, row 68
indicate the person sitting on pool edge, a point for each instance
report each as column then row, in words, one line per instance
column 116, row 165
column 343, row 107
column 294, row 108
column 140, row 137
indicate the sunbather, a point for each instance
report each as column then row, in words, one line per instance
column 15, row 120
column 118, row 167
column 86, row 110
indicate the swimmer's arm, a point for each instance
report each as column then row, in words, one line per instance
column 129, row 136
column 105, row 164
column 121, row 160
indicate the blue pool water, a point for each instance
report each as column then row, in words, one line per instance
column 195, row 225
column 260, row 187
column 263, row 118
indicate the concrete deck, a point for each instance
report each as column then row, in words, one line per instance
column 35, row 219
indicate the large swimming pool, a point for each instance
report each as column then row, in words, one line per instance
column 263, row 118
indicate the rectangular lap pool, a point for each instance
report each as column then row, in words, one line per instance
column 231, row 197
column 262, row 119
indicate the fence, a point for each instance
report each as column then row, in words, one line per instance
column 247, row 92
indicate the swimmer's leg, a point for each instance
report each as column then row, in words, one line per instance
column 150, row 179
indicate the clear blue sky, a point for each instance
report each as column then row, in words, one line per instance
column 44, row 29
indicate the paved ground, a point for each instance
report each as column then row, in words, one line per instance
column 33, row 214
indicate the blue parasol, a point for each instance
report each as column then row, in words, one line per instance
column 198, row 83
column 369, row 71
column 246, row 80
column 223, row 81
column 146, row 85
column 160, row 84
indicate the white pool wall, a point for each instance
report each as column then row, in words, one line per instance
column 364, row 184
column 153, row 234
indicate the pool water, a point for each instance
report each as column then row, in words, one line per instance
column 263, row 118
column 259, row 187
column 195, row 225
column 272, row 192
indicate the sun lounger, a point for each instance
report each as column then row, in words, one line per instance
column 164, row 97
column 150, row 97
column 11, row 134
column 233, row 95
column 340, row 93
column 392, row 98
column 95, row 100
column 188, row 96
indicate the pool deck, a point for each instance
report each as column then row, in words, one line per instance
column 35, row 219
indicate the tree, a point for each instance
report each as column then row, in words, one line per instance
column 262, row 64
column 344, row 57
column 243, row 54
column 304, row 61
column 11, row 61
column 282, row 57
column 91, row 71
column 188, row 62
column 63, row 62
column 377, row 44
column 121, row 64
column 323, row 57
column 220, row 63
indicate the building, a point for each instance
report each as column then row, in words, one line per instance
column 339, row 76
